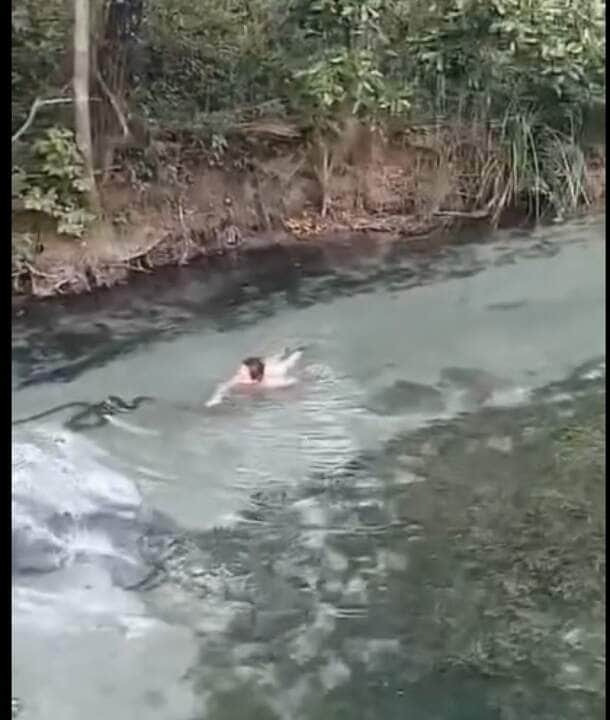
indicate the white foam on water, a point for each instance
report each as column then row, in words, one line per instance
column 62, row 472
column 76, row 636
column 71, row 600
column 58, row 482
column 128, row 427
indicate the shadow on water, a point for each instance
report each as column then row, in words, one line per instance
column 457, row 572
column 60, row 339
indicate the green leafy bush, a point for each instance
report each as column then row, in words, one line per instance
column 524, row 73
column 349, row 80
column 56, row 186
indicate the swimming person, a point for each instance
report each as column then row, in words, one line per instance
column 271, row 372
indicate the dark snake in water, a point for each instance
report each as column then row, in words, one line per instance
column 91, row 415
column 95, row 415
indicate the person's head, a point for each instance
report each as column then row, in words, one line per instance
column 255, row 368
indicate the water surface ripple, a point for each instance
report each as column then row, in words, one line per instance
column 415, row 529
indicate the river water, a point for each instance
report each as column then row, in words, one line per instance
column 415, row 529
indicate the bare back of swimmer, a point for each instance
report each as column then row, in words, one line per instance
column 271, row 372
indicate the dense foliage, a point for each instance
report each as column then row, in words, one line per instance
column 532, row 69
column 371, row 56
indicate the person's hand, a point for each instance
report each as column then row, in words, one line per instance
column 221, row 391
column 293, row 359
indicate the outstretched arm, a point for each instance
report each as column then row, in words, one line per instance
column 220, row 393
column 292, row 360
column 277, row 368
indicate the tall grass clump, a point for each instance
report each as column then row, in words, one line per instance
column 527, row 76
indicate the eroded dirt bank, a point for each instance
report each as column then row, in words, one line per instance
column 363, row 189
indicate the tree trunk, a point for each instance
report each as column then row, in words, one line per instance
column 81, row 95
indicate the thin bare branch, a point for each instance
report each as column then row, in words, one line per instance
column 114, row 102
column 140, row 253
column 36, row 105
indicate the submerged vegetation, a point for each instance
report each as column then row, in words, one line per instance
column 449, row 108
column 466, row 555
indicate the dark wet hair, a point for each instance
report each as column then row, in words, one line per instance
column 256, row 368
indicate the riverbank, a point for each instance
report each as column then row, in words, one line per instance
column 363, row 189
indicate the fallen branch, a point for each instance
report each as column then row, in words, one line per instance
column 57, row 281
column 31, row 269
column 472, row 215
column 140, row 253
column 138, row 267
column 36, row 105
column 373, row 226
